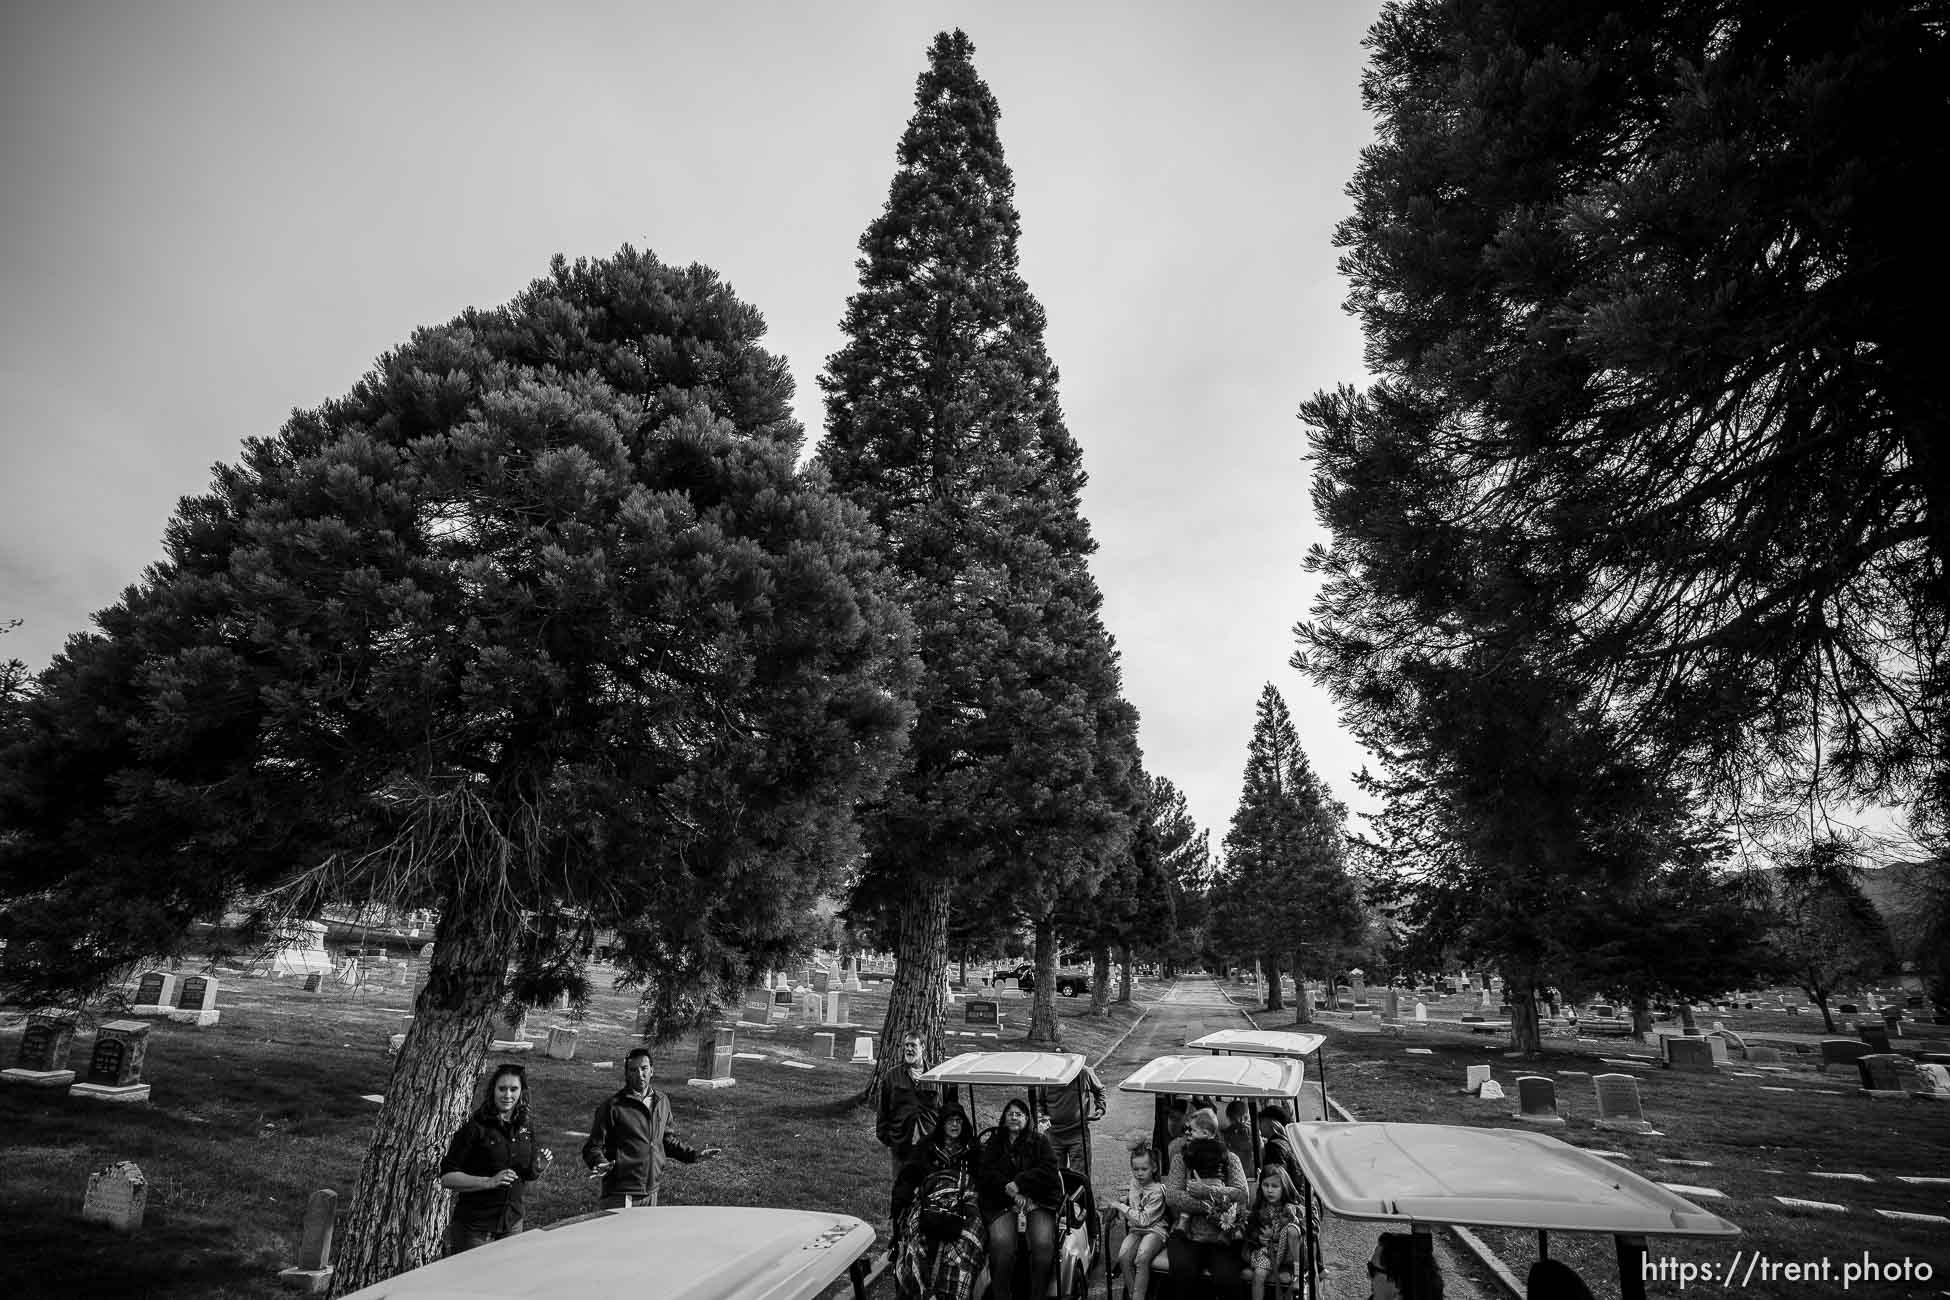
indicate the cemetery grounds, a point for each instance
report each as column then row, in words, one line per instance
column 1754, row 1137
column 250, row 1116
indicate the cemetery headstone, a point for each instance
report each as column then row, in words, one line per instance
column 1475, row 1077
column 1877, row 1037
column 115, row 1063
column 1391, row 1005
column 1344, row 997
column 1358, row 983
column 302, row 951
column 196, row 1001
column 863, row 1050
column 980, row 1011
column 1933, row 1080
column 1693, row 1054
column 1888, row 1073
column 1618, row 1104
column 781, row 1002
column 312, row 1274
column 1504, row 1011
column 714, row 1050
column 1848, row 1008
column 822, row 982
column 42, row 1060
column 1537, row 1101
column 1763, row 1056
column 116, row 1196
column 155, row 993
column 1603, row 1011
column 839, row 1007
column 1491, row 1090
column 426, row 952
column 562, row 1043
column 1717, row 1045
column 313, row 983
column 823, row 1046
column 757, row 1006
column 1421, row 1012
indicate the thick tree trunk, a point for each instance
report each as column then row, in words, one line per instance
column 1641, row 1016
column 1100, row 981
column 1124, row 973
column 1820, row 997
column 1303, row 1006
column 920, row 966
column 399, row 1210
column 1525, row 1034
column 1270, row 965
column 1045, row 1030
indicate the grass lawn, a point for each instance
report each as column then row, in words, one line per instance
column 248, row 1117
column 1754, row 1139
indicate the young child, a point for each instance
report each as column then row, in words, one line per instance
column 1143, row 1208
column 1273, row 1236
column 1205, row 1176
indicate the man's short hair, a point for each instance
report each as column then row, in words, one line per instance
column 635, row 1052
column 1275, row 1112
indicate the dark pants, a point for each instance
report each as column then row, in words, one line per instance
column 1004, row 1246
column 620, row 1202
column 460, row 1237
column 1189, row 1261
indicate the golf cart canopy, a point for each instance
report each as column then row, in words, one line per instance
column 1261, row 1042
column 674, row 1252
column 1256, row 1078
column 1487, row 1177
column 1008, row 1069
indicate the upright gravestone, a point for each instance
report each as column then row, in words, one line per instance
column 313, row 983
column 1391, row 1005
column 979, row 1011
column 1892, row 1020
column 42, row 1061
column 1876, row 1036
column 1343, row 997
column 822, row 982
column 863, row 1050
column 116, row 1195
column 823, row 1046
column 1933, row 1081
column 1888, row 1074
column 1842, row 1051
column 1691, row 1054
column 155, row 994
column 782, row 1002
column 1421, row 1012
column 302, row 951
column 312, row 1275
column 714, row 1049
column 839, row 1007
column 562, row 1044
column 1359, row 982
column 1475, row 1077
column 1618, row 1104
column 115, row 1064
column 1537, row 1101
column 756, row 1008
column 196, row 1002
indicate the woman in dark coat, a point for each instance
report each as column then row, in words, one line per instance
column 1020, row 1192
column 932, row 1261
column 489, row 1160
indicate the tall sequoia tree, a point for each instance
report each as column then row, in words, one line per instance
column 1286, row 886
column 1648, row 286
column 539, row 626
column 943, row 424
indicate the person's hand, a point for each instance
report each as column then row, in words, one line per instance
column 543, row 1159
column 1010, row 1188
column 710, row 1153
column 601, row 1167
column 503, row 1178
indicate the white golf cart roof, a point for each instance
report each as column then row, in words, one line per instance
column 1260, row 1078
column 674, row 1252
column 1261, row 1042
column 1009, row 1069
column 1486, row 1177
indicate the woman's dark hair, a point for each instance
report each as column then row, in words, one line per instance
column 507, row 1069
column 1553, row 1279
column 1206, row 1157
column 1413, row 1272
column 999, row 1138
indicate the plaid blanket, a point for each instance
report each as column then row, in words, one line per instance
column 938, row 1270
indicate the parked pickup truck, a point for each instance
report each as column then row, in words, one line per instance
column 1069, row 982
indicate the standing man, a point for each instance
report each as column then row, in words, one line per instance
column 631, row 1135
column 1066, row 1113
column 906, row 1119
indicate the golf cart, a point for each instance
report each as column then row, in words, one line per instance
column 1174, row 1081
column 1275, row 1042
column 1422, row 1175
column 1032, row 1076
column 673, row 1252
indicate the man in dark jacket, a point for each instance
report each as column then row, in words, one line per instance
column 630, row 1136
column 907, row 1107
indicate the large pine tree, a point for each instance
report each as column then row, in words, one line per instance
column 538, row 626
column 943, row 423
column 1286, row 888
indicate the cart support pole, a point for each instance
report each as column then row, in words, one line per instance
column 1631, row 1267
column 1543, row 1243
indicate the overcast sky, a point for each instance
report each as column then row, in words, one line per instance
column 213, row 213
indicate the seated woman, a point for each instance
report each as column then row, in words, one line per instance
column 1398, row 1271
column 1020, row 1192
column 941, row 1242
column 1207, row 1209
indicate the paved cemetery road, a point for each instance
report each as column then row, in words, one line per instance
column 1196, row 1005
